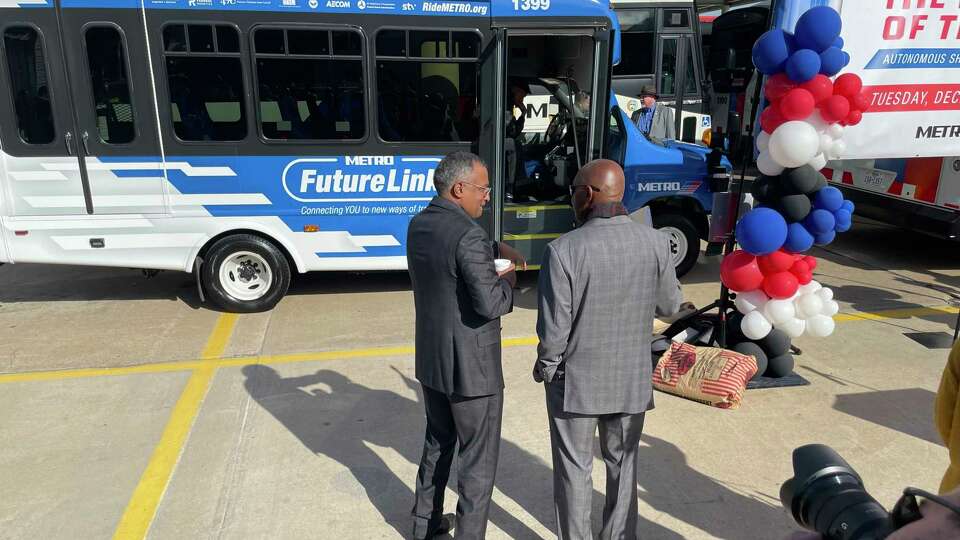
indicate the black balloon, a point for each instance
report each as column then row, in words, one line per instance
column 780, row 366
column 777, row 343
column 765, row 189
column 794, row 208
column 802, row 180
column 734, row 334
column 752, row 349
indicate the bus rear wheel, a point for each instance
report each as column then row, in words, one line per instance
column 245, row 274
column 684, row 240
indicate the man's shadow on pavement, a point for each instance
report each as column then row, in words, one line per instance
column 342, row 422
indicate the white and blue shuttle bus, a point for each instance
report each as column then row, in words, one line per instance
column 243, row 140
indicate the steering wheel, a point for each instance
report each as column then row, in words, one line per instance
column 557, row 129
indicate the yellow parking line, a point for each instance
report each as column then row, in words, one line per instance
column 142, row 507
column 217, row 342
column 187, row 365
column 143, row 504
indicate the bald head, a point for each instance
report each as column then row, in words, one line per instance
column 606, row 177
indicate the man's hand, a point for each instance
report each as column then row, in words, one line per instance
column 510, row 274
column 509, row 252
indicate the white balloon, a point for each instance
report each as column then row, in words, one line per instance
column 794, row 144
column 839, row 147
column 763, row 141
column 830, row 308
column 825, row 294
column 809, row 305
column 809, row 288
column 793, row 328
column 755, row 326
column 818, row 162
column 767, row 166
column 820, row 326
column 826, row 143
column 750, row 301
column 835, row 130
column 779, row 311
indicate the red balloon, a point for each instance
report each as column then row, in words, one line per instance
column 770, row 119
column 860, row 102
column 797, row 104
column 776, row 262
column 777, row 86
column 740, row 272
column 781, row 285
column 811, row 262
column 835, row 109
column 821, row 87
column 801, row 270
column 853, row 118
column 847, row 85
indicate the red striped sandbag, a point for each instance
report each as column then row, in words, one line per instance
column 717, row 377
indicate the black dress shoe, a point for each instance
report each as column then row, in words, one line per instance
column 443, row 526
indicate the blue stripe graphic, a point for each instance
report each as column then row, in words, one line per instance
column 915, row 59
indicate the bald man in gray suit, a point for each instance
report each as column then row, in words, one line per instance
column 600, row 286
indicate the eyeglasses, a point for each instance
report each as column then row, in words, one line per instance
column 574, row 188
column 482, row 189
column 907, row 510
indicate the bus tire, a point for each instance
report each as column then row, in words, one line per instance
column 684, row 240
column 243, row 273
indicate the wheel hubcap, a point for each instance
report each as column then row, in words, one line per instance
column 245, row 276
column 678, row 244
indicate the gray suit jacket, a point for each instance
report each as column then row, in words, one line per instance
column 663, row 125
column 600, row 286
column 459, row 300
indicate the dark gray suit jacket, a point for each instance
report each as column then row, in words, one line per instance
column 600, row 286
column 459, row 300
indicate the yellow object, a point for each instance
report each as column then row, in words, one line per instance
column 946, row 415
column 707, row 137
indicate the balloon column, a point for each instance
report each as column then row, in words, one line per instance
column 806, row 112
column 803, row 124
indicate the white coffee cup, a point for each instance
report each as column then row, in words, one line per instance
column 501, row 264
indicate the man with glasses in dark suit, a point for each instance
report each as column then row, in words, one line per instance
column 459, row 297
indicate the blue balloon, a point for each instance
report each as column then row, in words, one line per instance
column 761, row 231
column 848, row 206
column 820, row 222
column 844, row 220
column 832, row 61
column 818, row 28
column 828, row 198
column 825, row 238
column 770, row 52
column 803, row 65
column 798, row 239
column 838, row 43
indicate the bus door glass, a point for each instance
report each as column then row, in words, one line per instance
column 113, row 96
column 555, row 84
column 680, row 72
column 38, row 132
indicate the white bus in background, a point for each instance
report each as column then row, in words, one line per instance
column 662, row 49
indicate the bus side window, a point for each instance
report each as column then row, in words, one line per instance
column 107, row 61
column 310, row 83
column 427, row 92
column 205, row 82
column 26, row 63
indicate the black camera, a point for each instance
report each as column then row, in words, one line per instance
column 827, row 496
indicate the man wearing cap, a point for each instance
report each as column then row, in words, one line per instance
column 653, row 120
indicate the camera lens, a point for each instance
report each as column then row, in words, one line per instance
column 827, row 496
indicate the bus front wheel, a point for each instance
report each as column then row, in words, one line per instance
column 245, row 274
column 684, row 239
